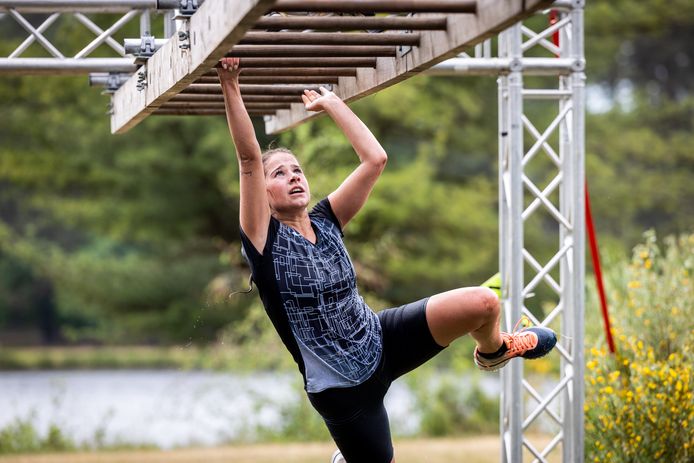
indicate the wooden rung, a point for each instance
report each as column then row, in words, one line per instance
column 205, row 112
column 329, row 38
column 220, row 105
column 263, row 72
column 212, row 89
column 274, row 80
column 376, row 6
column 246, row 98
column 305, row 51
column 360, row 62
column 350, row 23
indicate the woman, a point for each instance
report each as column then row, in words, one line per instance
column 347, row 354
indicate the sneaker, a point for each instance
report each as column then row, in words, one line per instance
column 529, row 343
column 337, row 457
column 494, row 283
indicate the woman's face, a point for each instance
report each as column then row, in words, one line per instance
column 287, row 188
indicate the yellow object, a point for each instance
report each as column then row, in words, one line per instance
column 494, row 283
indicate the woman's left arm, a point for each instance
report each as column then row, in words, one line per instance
column 351, row 195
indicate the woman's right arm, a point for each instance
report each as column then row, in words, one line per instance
column 254, row 211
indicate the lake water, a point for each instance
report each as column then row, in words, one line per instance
column 163, row 408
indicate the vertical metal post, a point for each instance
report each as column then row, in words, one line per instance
column 511, row 198
column 514, row 183
column 576, row 328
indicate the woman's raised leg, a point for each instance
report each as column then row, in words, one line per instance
column 474, row 311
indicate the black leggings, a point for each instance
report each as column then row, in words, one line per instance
column 355, row 416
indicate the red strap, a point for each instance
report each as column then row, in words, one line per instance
column 598, row 272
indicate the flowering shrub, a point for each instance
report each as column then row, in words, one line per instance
column 639, row 403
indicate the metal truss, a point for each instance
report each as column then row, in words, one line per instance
column 37, row 16
column 541, row 182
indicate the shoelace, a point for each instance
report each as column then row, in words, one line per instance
column 517, row 340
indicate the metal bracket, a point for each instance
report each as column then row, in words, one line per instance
column 187, row 9
column 184, row 38
column 141, row 80
column 111, row 81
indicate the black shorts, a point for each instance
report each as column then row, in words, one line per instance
column 355, row 416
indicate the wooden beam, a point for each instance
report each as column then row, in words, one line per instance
column 329, row 38
column 212, row 89
column 274, row 80
column 309, row 51
column 220, row 105
column 464, row 31
column 376, row 6
column 269, row 72
column 205, row 112
column 351, row 23
column 366, row 62
column 213, row 30
column 246, row 98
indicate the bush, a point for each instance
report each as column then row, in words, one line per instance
column 639, row 403
column 20, row 436
column 452, row 404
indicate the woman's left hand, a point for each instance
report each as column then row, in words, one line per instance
column 319, row 102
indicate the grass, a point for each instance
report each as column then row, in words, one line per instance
column 477, row 449
column 118, row 357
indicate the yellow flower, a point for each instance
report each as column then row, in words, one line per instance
column 647, row 263
column 634, row 284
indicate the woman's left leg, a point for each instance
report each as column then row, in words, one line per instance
column 474, row 311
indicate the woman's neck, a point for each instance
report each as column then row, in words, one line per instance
column 300, row 222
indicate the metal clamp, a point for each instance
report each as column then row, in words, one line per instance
column 187, row 9
column 184, row 38
column 141, row 80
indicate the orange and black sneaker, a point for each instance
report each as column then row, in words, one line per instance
column 529, row 343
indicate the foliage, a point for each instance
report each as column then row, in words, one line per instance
column 452, row 404
column 639, row 403
column 20, row 436
column 299, row 422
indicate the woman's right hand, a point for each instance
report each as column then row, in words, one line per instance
column 229, row 69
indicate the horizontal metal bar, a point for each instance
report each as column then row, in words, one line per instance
column 269, row 72
column 303, row 51
column 246, row 98
column 291, row 62
column 329, row 38
column 86, row 6
column 535, row 94
column 495, row 66
column 350, row 23
column 377, row 6
column 66, row 66
column 274, row 80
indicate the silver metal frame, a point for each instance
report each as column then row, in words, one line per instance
column 124, row 11
column 566, row 393
column 561, row 402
